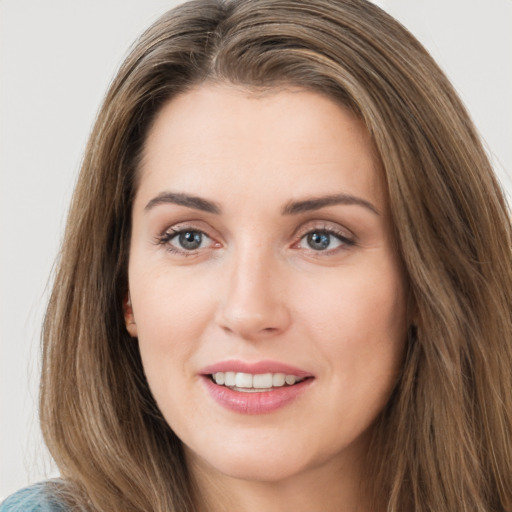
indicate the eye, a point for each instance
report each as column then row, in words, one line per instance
column 324, row 240
column 185, row 241
column 188, row 240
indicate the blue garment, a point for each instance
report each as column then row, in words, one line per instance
column 36, row 498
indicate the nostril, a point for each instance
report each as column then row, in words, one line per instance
column 251, row 313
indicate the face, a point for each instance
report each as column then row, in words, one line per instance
column 265, row 289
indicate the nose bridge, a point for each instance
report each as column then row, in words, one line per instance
column 253, row 304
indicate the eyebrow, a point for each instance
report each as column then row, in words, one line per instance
column 291, row 208
column 197, row 203
column 316, row 203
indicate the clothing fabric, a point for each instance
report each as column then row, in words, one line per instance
column 36, row 498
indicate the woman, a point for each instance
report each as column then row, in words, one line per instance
column 285, row 281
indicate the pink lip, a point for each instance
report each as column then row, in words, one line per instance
column 257, row 402
column 254, row 368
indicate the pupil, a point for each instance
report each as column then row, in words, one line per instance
column 319, row 241
column 190, row 239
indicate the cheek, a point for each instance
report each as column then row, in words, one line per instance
column 359, row 324
column 171, row 313
column 166, row 302
column 357, row 299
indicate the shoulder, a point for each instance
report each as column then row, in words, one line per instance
column 36, row 498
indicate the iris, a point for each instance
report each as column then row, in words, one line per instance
column 190, row 240
column 319, row 241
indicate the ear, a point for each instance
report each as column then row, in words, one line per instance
column 129, row 319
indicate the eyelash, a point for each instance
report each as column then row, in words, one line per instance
column 170, row 234
column 345, row 241
column 167, row 236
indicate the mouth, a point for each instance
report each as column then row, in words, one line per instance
column 255, row 383
column 255, row 388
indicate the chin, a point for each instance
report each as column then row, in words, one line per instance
column 258, row 464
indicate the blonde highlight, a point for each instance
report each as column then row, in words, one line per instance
column 447, row 430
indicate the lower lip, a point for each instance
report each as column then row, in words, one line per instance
column 255, row 402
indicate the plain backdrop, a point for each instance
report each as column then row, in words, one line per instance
column 57, row 58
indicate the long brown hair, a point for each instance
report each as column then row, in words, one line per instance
column 444, row 441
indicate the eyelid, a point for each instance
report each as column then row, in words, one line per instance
column 345, row 237
column 191, row 225
column 164, row 237
column 323, row 225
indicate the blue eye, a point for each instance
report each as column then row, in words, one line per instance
column 186, row 240
column 189, row 240
column 319, row 241
column 322, row 240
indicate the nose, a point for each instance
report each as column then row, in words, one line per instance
column 253, row 304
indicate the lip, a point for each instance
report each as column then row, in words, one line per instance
column 257, row 402
column 255, row 368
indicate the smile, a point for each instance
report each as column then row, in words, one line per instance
column 255, row 387
column 254, row 383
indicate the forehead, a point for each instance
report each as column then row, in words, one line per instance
column 291, row 140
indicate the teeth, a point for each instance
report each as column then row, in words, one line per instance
column 258, row 381
column 243, row 380
column 230, row 379
column 262, row 381
column 278, row 379
column 290, row 380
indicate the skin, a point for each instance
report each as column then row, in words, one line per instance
column 256, row 289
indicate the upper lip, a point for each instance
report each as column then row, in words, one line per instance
column 254, row 368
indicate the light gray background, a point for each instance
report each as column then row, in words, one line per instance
column 56, row 60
